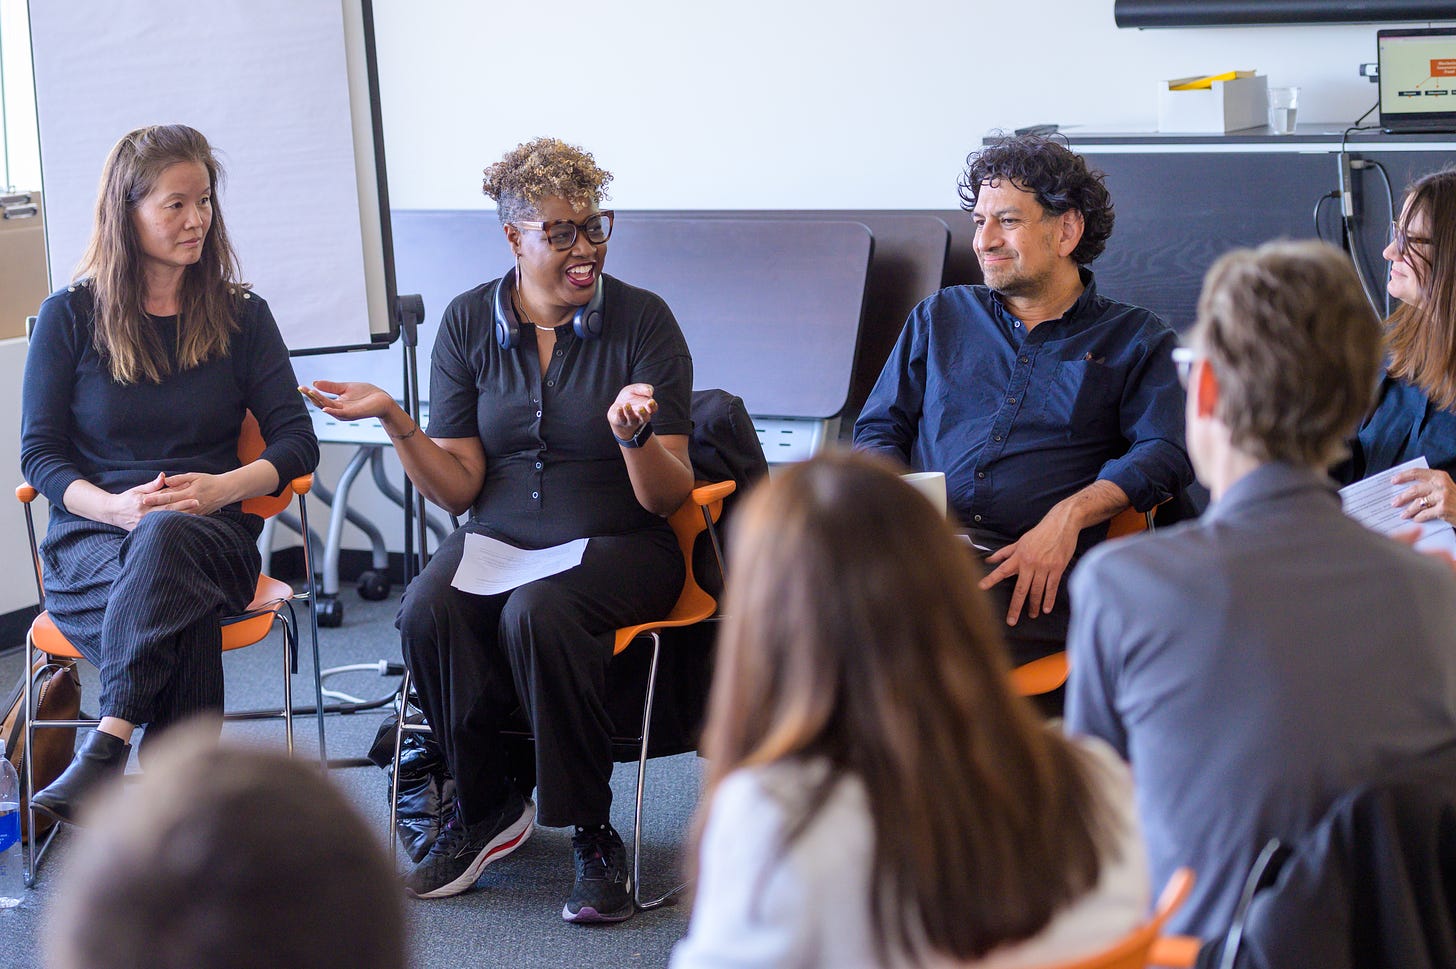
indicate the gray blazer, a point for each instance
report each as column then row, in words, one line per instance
column 1252, row 666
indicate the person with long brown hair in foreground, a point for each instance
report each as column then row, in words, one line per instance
column 876, row 795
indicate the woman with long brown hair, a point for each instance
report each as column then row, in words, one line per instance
column 1415, row 411
column 136, row 383
column 876, row 794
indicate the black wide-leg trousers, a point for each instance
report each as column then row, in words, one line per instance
column 143, row 606
column 543, row 648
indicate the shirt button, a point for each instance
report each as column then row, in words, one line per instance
column 978, row 518
column 538, row 414
column 1010, row 400
column 535, row 494
column 979, row 474
column 559, row 352
column 1017, row 324
column 994, row 437
column 538, row 465
column 551, row 383
column 1023, row 360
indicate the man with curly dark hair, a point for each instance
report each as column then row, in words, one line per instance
column 1049, row 407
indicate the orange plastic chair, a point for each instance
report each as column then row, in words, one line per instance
column 1050, row 672
column 698, row 514
column 272, row 604
column 1133, row 951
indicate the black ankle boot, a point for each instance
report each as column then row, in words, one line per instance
column 101, row 758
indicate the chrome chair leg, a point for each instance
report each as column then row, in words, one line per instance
column 669, row 897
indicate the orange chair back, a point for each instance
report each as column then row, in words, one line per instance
column 250, row 448
column 693, row 605
column 1132, row 951
column 1129, row 521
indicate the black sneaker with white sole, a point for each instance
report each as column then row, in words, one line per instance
column 603, row 890
column 462, row 851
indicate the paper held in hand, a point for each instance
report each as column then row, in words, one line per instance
column 489, row 566
column 1369, row 502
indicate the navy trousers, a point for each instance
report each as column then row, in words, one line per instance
column 143, row 606
column 543, row 649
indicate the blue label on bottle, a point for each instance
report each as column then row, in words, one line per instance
column 9, row 829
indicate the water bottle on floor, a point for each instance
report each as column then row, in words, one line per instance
column 12, row 880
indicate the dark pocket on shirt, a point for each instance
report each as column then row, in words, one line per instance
column 1083, row 395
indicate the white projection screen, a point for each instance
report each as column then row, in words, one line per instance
column 286, row 92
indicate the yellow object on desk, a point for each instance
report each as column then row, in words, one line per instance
column 1207, row 81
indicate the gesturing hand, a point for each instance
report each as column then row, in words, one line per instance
column 352, row 400
column 633, row 407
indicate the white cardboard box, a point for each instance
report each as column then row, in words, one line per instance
column 1224, row 106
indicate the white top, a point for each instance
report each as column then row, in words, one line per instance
column 810, row 907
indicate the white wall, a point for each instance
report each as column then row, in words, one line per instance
column 796, row 103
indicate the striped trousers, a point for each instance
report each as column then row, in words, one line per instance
column 143, row 606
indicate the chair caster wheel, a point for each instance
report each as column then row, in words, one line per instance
column 373, row 585
column 330, row 612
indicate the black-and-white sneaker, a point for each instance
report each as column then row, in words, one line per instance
column 603, row 890
column 462, row 851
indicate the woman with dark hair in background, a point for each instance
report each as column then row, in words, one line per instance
column 137, row 380
column 1415, row 411
column 876, row 795
column 559, row 410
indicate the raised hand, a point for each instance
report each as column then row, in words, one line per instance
column 349, row 401
column 633, row 407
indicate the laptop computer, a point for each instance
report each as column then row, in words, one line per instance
column 1417, row 79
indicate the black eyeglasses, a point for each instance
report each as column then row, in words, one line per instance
column 1402, row 241
column 561, row 233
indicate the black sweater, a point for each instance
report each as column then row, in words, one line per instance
column 77, row 422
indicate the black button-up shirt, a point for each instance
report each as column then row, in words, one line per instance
column 1019, row 420
column 553, row 470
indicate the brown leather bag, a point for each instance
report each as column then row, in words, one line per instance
column 57, row 691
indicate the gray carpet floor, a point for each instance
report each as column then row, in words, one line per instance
column 512, row 917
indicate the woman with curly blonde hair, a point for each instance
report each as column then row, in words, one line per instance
column 559, row 410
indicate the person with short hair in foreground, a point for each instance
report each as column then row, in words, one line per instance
column 876, row 794
column 1256, row 664
column 225, row 858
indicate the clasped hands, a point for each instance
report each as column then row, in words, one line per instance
column 190, row 493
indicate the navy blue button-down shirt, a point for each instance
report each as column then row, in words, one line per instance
column 1405, row 424
column 1019, row 420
